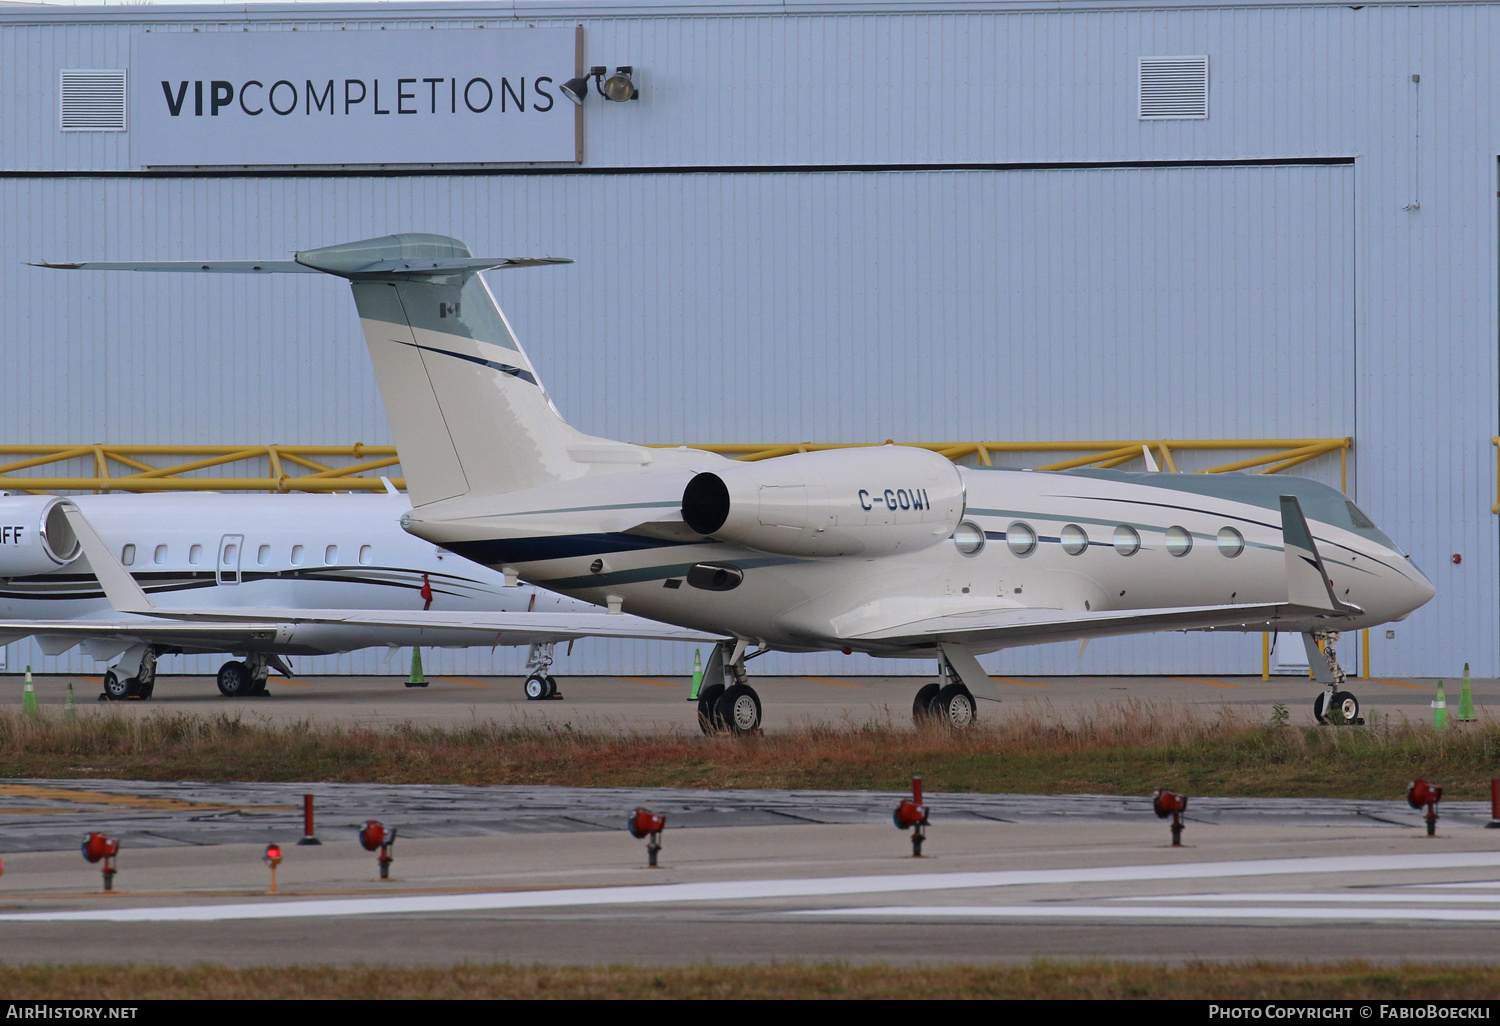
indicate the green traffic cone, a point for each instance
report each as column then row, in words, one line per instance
column 416, row 680
column 28, row 696
column 697, row 674
column 1466, row 700
column 69, row 711
column 1440, row 710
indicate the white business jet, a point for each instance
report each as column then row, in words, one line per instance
column 886, row 550
column 302, row 552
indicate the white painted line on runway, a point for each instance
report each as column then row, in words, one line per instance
column 743, row 890
column 1345, row 897
column 1207, row 913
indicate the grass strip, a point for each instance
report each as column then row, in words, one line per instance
column 1041, row 979
column 1129, row 748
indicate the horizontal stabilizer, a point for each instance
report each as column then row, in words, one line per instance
column 306, row 264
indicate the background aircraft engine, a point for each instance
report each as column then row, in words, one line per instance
column 34, row 535
column 875, row 501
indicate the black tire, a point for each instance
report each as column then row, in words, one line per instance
column 955, row 707
column 145, row 690
column 922, row 712
column 551, row 686
column 535, row 688
column 1320, row 708
column 738, row 710
column 1346, row 706
column 708, row 698
column 257, row 686
column 117, row 688
column 234, row 679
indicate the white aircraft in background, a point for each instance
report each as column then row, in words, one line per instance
column 886, row 550
column 212, row 551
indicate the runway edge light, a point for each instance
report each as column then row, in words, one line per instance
column 1169, row 803
column 97, row 847
column 911, row 815
column 374, row 836
column 1420, row 793
column 645, row 823
column 273, row 859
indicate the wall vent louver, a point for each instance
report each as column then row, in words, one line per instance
column 1173, row 87
column 92, row 101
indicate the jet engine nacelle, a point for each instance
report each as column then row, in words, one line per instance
column 874, row 501
column 35, row 536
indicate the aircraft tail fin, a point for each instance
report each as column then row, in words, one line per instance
column 468, row 411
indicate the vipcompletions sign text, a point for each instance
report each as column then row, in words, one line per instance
column 454, row 96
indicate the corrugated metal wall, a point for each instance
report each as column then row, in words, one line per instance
column 1189, row 301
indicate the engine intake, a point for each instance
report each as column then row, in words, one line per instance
column 874, row 501
column 35, row 536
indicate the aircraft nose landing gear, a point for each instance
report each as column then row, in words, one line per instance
column 734, row 709
column 1333, row 705
column 134, row 676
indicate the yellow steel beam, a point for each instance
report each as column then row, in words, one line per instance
column 1272, row 455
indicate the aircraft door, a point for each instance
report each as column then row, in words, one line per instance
column 229, row 558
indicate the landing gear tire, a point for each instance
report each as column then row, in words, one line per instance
column 552, row 686
column 1342, row 710
column 536, row 688
column 235, row 680
column 146, row 690
column 955, row 706
column 118, row 689
column 707, row 717
column 738, row 710
column 257, row 686
column 922, row 711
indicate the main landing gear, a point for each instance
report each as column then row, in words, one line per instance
column 946, row 702
column 728, row 705
column 134, row 676
column 1333, row 704
column 540, row 685
column 244, row 679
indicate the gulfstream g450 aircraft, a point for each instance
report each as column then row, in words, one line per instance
column 886, row 550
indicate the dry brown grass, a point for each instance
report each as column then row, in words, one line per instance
column 1129, row 748
column 1043, row 979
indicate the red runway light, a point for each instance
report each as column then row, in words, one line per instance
column 1170, row 803
column 96, row 846
column 645, row 823
column 1421, row 794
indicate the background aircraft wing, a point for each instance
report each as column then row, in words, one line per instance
column 487, row 627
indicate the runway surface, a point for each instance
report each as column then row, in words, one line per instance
column 550, row 875
column 641, row 704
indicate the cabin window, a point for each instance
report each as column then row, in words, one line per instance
column 160, row 556
column 366, row 554
column 195, row 554
column 263, row 555
column 968, row 538
column 1179, row 541
column 298, row 555
column 1075, row 540
column 1231, row 542
column 331, row 555
column 1127, row 540
column 231, row 555
column 127, row 555
column 1020, row 538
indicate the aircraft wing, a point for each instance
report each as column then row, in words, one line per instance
column 1004, row 626
column 127, row 596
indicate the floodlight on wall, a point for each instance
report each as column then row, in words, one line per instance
column 619, row 86
column 576, row 89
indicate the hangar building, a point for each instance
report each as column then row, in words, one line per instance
column 849, row 220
